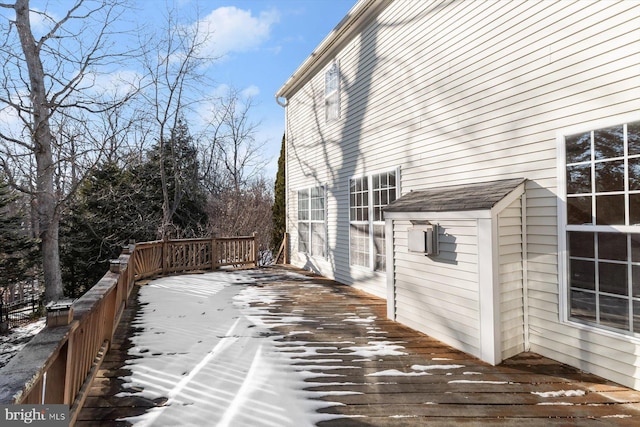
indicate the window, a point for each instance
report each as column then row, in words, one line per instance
column 368, row 195
column 311, row 221
column 359, row 222
column 332, row 92
column 602, row 226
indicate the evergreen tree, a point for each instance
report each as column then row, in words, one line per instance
column 111, row 208
column 187, row 199
column 279, row 206
column 114, row 206
column 18, row 252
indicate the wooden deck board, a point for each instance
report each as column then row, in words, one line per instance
column 390, row 390
column 463, row 399
column 410, row 421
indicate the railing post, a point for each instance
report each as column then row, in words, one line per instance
column 69, row 393
column 214, row 253
column 286, row 248
column 113, row 305
column 4, row 326
column 59, row 313
column 165, row 256
column 255, row 250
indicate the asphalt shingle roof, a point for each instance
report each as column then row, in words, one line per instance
column 483, row 195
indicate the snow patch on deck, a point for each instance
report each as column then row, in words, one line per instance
column 559, row 393
column 206, row 343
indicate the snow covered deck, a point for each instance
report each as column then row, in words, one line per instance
column 280, row 347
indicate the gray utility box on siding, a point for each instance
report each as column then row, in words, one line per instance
column 423, row 238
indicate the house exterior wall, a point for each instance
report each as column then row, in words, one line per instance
column 511, row 280
column 440, row 295
column 461, row 92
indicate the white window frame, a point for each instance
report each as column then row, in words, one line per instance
column 310, row 221
column 332, row 92
column 564, row 228
column 371, row 222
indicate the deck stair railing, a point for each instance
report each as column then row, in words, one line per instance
column 59, row 364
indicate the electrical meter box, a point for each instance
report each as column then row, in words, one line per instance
column 423, row 238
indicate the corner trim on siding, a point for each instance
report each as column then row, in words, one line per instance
column 508, row 199
column 391, row 270
column 488, row 295
column 287, row 186
column 525, row 273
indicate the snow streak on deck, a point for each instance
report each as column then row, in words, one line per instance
column 278, row 347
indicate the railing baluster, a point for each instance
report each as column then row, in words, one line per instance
column 99, row 310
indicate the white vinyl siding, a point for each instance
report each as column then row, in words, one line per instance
column 429, row 291
column 511, row 280
column 481, row 100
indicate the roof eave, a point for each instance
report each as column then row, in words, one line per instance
column 359, row 15
column 490, row 196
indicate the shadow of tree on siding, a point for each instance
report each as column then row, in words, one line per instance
column 346, row 155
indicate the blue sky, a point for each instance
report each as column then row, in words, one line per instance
column 258, row 43
column 263, row 42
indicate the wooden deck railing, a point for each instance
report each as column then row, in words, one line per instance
column 59, row 364
column 282, row 257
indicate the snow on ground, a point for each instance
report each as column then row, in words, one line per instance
column 418, row 370
column 206, row 344
column 555, row 404
column 560, row 393
column 396, row 373
column 14, row 340
column 477, row 382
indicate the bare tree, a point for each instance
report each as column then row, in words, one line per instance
column 240, row 199
column 174, row 68
column 244, row 212
column 233, row 144
column 50, row 80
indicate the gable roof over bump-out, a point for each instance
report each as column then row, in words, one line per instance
column 480, row 196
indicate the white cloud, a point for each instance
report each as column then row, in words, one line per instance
column 10, row 122
column 275, row 50
column 219, row 94
column 221, row 91
column 224, row 91
column 117, row 84
column 42, row 21
column 250, row 92
column 230, row 29
column 39, row 23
